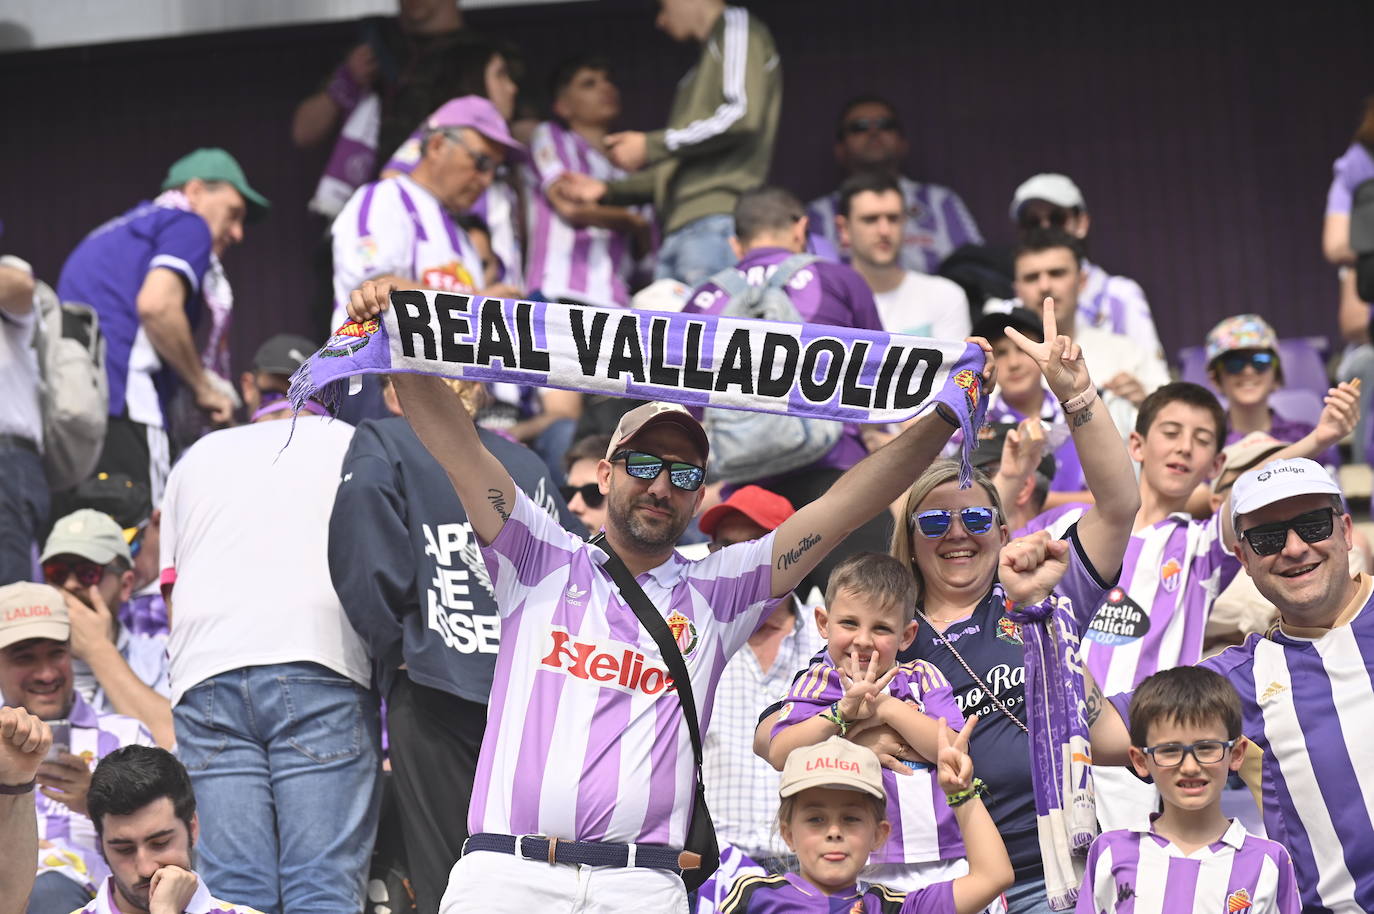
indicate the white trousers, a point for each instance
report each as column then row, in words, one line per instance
column 485, row 882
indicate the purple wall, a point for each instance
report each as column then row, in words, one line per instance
column 1201, row 134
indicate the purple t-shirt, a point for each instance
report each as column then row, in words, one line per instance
column 923, row 825
column 823, row 293
column 1351, row 170
column 791, row 894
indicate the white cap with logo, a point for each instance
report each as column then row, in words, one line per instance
column 834, row 763
column 1050, row 187
column 1277, row 480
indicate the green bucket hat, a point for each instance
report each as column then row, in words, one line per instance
column 217, row 165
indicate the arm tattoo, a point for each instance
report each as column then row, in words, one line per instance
column 498, row 503
column 1082, row 418
column 792, row 556
column 1092, row 704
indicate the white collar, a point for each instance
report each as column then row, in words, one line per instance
column 1234, row 836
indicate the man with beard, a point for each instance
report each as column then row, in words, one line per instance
column 585, row 781
column 144, row 812
column 114, row 669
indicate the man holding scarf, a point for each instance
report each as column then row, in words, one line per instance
column 578, row 747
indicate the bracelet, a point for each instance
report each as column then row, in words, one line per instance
column 944, row 413
column 1079, row 400
column 833, row 715
column 978, row 789
column 12, row 790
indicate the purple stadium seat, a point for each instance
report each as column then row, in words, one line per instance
column 1297, row 404
column 1303, row 358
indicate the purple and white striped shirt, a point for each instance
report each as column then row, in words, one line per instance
column 1136, row 871
column 937, row 222
column 585, row 737
column 923, row 825
column 1118, row 304
column 66, row 840
column 791, row 894
column 202, row 902
column 589, row 264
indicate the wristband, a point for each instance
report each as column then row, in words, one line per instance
column 1079, row 400
column 944, row 413
column 833, row 715
column 978, row 789
column 12, row 790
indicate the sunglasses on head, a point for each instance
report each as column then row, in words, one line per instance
column 1204, row 752
column 88, row 573
column 1236, row 362
column 1312, row 527
column 1055, row 218
column 591, row 494
column 976, row 521
column 865, row 124
column 644, row 466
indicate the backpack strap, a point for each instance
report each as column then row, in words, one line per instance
column 789, row 268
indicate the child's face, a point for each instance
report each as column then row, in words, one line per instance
column 1018, row 376
column 1191, row 785
column 1251, row 385
column 1180, row 449
column 832, row 831
column 856, row 626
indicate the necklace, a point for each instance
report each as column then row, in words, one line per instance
column 997, row 702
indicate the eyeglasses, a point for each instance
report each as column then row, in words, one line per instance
column 1204, row 752
column 483, row 162
column 591, row 494
column 865, row 124
column 88, row 573
column 1312, row 527
column 646, row 466
column 932, row 524
column 1236, row 362
column 1055, row 218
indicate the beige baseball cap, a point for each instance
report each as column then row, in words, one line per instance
column 32, row 611
column 834, row 763
column 90, row 534
column 642, row 417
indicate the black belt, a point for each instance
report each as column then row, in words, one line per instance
column 19, row 441
column 585, row 853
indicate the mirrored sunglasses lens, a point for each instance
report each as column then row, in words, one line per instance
column 933, row 523
column 1266, row 542
column 686, row 476
column 643, row 466
column 1316, row 530
column 977, row 520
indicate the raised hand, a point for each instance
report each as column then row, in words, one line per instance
column 66, row 780
column 954, row 767
column 92, row 626
column 1029, row 568
column 24, row 740
column 989, row 363
column 1340, row 414
column 371, row 298
column 1022, row 449
column 862, row 688
column 1060, row 358
column 171, row 890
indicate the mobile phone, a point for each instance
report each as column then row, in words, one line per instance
column 61, row 738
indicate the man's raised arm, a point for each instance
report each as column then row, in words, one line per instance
column 444, row 427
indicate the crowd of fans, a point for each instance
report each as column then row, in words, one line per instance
column 304, row 679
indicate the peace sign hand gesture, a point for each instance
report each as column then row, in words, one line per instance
column 1060, row 358
column 954, row 767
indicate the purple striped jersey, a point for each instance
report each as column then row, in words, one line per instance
column 937, row 222
column 588, row 264
column 791, row 894
column 202, row 902
column 1118, row 304
column 585, row 737
column 923, row 825
column 1307, row 702
column 1136, row 871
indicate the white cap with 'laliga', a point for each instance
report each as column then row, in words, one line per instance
column 1277, row 480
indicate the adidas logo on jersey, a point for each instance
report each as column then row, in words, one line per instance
column 575, row 594
column 1275, row 689
column 610, row 663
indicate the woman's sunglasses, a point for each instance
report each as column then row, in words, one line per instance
column 591, row 494
column 932, row 524
column 1312, row 527
column 1236, row 362
column 647, row 466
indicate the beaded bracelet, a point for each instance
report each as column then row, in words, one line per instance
column 978, row 789
column 835, row 717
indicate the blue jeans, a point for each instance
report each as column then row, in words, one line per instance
column 697, row 251
column 54, row 893
column 1028, row 897
column 23, row 512
column 285, row 760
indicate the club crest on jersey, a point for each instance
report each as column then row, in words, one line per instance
column 684, row 632
column 1170, row 574
column 972, row 385
column 349, row 338
column 1009, row 631
column 1239, row 900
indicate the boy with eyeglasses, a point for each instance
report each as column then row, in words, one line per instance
column 1186, row 736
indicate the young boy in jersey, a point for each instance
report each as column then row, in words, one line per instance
column 833, row 815
column 1185, row 734
column 1175, row 566
column 868, row 617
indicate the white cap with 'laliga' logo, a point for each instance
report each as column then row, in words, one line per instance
column 1277, row 480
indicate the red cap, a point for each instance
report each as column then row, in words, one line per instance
column 765, row 508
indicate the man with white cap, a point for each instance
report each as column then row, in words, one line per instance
column 1116, row 303
column 114, row 669
column 1306, row 686
column 36, row 675
column 586, row 781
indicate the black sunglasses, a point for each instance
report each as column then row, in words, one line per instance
column 865, row 124
column 480, row 160
column 1056, row 218
column 1204, row 752
column 1313, row 527
column 644, row 466
column 591, row 494
column 1236, row 362
column 88, row 573
column 934, row 523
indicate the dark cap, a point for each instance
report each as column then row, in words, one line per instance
column 283, row 354
column 992, row 437
column 993, row 326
